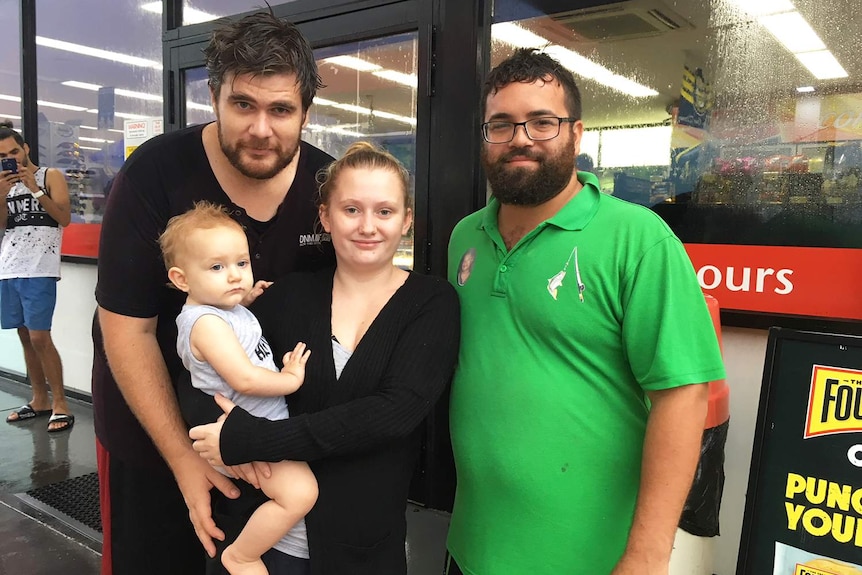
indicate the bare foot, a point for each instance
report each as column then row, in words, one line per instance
column 236, row 564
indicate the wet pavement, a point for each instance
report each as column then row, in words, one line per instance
column 34, row 541
column 37, row 540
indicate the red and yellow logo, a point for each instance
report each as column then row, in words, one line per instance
column 834, row 401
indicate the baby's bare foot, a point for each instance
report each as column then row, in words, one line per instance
column 237, row 564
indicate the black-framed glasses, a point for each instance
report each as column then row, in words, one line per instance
column 537, row 129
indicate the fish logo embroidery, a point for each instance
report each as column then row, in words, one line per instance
column 556, row 281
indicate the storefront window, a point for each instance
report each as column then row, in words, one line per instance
column 11, row 357
column 10, row 64
column 738, row 121
column 93, row 78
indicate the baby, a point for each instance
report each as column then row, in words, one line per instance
column 220, row 342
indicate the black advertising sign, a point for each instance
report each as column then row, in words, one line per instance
column 803, row 510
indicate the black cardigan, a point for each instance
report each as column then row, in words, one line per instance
column 361, row 433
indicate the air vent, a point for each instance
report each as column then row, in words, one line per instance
column 622, row 20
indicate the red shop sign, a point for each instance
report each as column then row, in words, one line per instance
column 818, row 282
column 81, row 240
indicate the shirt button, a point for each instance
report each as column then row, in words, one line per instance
column 257, row 256
column 504, row 268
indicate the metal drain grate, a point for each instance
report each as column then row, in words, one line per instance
column 77, row 497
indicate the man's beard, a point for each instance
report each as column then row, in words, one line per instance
column 524, row 187
column 234, row 156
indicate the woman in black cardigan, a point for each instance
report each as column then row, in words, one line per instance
column 394, row 333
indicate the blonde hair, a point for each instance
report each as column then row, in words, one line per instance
column 203, row 216
column 362, row 155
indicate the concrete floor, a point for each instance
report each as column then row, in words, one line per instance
column 36, row 540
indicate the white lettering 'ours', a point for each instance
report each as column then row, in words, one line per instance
column 710, row 277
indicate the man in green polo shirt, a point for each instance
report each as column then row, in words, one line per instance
column 578, row 406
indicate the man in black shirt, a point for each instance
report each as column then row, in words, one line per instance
column 263, row 78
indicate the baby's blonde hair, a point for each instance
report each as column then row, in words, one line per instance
column 203, row 216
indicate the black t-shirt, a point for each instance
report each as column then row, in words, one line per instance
column 163, row 178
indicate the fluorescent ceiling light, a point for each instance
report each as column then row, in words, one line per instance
column 82, row 85
column 517, row 36
column 117, row 91
column 764, row 7
column 796, row 34
column 339, row 129
column 521, row 38
column 321, row 127
column 45, row 103
column 399, row 77
column 97, row 140
column 805, row 89
column 195, row 106
column 120, row 115
column 361, row 65
column 793, row 31
column 353, row 63
column 132, row 94
column 61, row 106
column 10, row 117
column 190, row 15
column 83, row 127
column 89, row 148
column 822, row 64
column 365, row 111
column 97, row 53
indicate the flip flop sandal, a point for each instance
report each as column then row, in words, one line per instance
column 27, row 412
column 65, row 418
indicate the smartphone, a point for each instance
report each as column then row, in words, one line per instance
column 10, row 164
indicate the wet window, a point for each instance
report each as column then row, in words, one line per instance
column 738, row 121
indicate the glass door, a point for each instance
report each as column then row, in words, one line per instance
column 370, row 94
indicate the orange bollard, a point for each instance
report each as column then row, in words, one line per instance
column 718, row 410
column 693, row 549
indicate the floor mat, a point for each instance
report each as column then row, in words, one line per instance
column 77, row 497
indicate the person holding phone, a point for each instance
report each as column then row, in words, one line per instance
column 33, row 213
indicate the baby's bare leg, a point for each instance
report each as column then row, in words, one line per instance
column 292, row 490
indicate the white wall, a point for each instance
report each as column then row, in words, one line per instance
column 11, row 356
column 744, row 355
column 73, row 315
column 73, row 318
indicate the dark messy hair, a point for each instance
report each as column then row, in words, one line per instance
column 528, row 65
column 7, row 131
column 259, row 44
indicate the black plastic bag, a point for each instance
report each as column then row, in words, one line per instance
column 700, row 514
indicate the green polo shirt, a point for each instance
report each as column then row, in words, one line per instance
column 561, row 337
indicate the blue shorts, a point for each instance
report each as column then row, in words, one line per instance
column 27, row 302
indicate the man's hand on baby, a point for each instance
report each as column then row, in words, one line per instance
column 255, row 291
column 294, row 361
